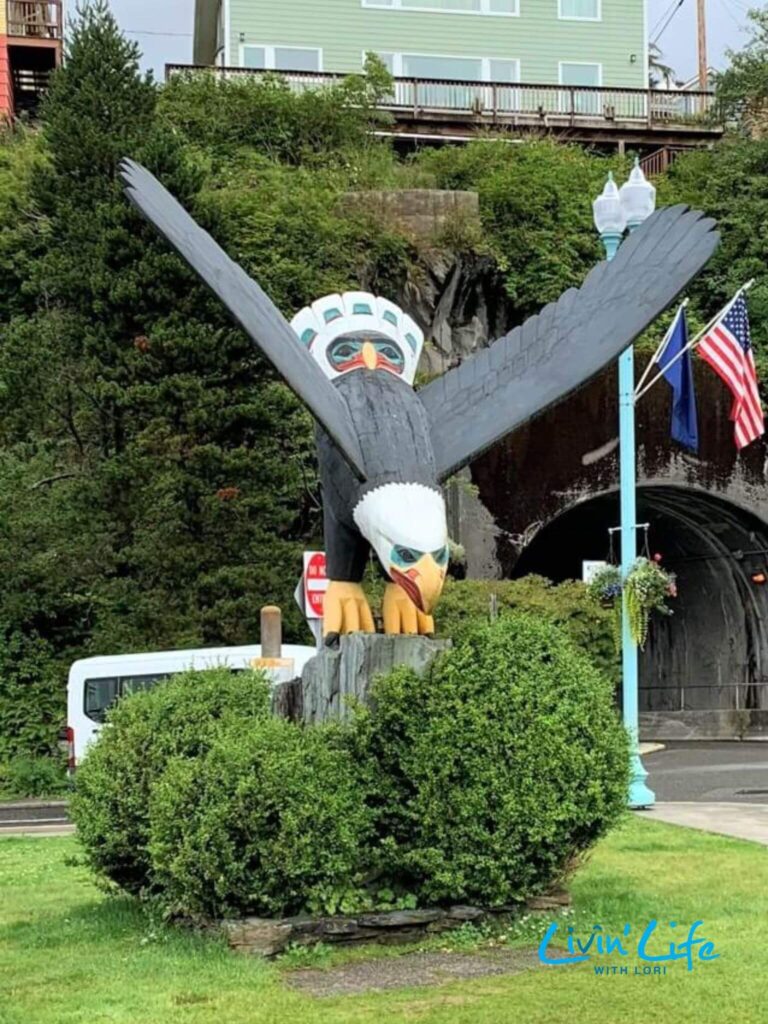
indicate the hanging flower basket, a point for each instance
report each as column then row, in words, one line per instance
column 605, row 585
column 647, row 587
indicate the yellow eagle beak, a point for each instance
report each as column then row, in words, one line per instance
column 423, row 582
column 369, row 355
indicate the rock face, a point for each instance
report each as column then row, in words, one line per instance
column 459, row 301
column 337, row 678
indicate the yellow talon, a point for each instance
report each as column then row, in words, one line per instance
column 346, row 609
column 402, row 616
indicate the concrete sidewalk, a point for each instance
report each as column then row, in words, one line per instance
column 742, row 821
column 32, row 831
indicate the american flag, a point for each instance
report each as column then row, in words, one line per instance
column 728, row 350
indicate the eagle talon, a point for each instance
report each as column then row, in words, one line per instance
column 401, row 616
column 345, row 610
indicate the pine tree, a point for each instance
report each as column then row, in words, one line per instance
column 153, row 473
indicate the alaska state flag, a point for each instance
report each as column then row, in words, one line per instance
column 685, row 428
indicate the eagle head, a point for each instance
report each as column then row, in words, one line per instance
column 405, row 524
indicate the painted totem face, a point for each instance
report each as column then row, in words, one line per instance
column 358, row 331
column 365, row 351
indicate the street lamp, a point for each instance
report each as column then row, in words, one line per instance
column 614, row 211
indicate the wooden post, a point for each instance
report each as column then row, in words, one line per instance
column 701, row 13
column 271, row 632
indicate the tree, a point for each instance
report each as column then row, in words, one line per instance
column 742, row 89
column 155, row 479
column 730, row 183
column 658, row 71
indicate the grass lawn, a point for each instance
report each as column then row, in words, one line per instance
column 70, row 954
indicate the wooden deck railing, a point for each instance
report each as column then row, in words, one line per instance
column 32, row 19
column 499, row 102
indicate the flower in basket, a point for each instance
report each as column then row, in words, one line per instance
column 605, row 585
column 647, row 588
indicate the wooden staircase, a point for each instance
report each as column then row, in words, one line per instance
column 659, row 162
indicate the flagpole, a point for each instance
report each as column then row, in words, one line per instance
column 715, row 319
column 662, row 345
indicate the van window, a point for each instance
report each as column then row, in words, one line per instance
column 135, row 684
column 101, row 694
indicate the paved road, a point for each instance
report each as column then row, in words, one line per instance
column 31, row 818
column 710, row 772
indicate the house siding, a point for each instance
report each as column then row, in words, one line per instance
column 344, row 30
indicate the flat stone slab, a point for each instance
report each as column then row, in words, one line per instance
column 741, row 821
column 262, row 936
column 411, row 970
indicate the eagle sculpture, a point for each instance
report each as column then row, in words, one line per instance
column 384, row 449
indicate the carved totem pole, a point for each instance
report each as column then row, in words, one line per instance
column 384, row 449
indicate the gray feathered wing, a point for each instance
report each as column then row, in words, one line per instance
column 554, row 352
column 250, row 306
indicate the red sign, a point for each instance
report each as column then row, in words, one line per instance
column 315, row 583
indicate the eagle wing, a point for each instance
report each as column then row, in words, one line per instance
column 553, row 353
column 249, row 305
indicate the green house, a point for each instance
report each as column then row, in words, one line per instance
column 557, row 42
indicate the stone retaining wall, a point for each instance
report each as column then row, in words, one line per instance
column 421, row 212
column 268, row 937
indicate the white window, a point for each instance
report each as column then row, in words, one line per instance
column 282, row 58
column 450, row 68
column 457, row 69
column 577, row 73
column 508, row 7
column 505, row 71
column 480, row 81
column 580, row 10
column 581, row 74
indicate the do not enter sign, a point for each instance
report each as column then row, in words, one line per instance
column 315, row 583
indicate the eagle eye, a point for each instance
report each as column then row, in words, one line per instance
column 405, row 556
column 441, row 555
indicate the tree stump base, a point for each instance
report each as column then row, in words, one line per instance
column 337, row 678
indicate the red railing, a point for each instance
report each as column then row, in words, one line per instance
column 516, row 102
column 31, row 19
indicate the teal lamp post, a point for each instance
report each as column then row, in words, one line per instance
column 615, row 211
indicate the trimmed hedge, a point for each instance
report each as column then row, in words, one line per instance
column 484, row 781
column 273, row 820
column 180, row 718
column 498, row 769
column 464, row 602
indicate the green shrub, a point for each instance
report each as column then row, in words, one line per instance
column 180, row 718
column 265, row 114
column 467, row 602
column 273, row 820
column 26, row 776
column 498, row 769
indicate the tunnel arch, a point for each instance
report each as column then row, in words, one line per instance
column 704, row 672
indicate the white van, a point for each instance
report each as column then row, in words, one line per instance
column 95, row 684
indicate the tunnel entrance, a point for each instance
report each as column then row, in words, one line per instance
column 704, row 672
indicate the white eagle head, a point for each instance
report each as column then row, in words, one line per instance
column 406, row 526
